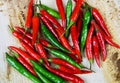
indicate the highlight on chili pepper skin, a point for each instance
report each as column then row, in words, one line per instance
column 56, row 40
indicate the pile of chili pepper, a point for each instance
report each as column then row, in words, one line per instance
column 46, row 55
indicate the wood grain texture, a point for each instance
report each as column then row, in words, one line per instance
column 110, row 10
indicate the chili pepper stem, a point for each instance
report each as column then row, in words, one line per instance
column 91, row 61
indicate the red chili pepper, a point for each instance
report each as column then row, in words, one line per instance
column 74, row 37
column 64, row 41
column 96, row 50
column 100, row 21
column 45, row 43
column 106, row 38
column 22, row 31
column 75, row 0
column 61, row 11
column 102, row 44
column 35, row 28
column 29, row 15
column 79, row 23
column 31, row 51
column 23, row 38
column 42, row 52
column 64, row 75
column 22, row 53
column 25, row 63
column 49, row 25
column 76, row 10
column 52, row 20
column 70, row 71
column 89, row 51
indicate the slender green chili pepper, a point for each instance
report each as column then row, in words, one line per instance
column 68, row 14
column 44, row 79
column 65, row 57
column 51, row 11
column 86, row 21
column 14, row 63
column 52, row 38
column 47, row 74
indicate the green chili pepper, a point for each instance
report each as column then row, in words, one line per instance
column 14, row 63
column 64, row 56
column 44, row 79
column 68, row 14
column 47, row 74
column 51, row 11
column 52, row 38
column 84, row 32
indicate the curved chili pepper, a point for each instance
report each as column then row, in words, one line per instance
column 100, row 20
column 42, row 52
column 64, row 56
column 107, row 38
column 60, row 7
column 68, row 14
column 49, row 25
column 64, row 75
column 102, row 44
column 64, row 41
column 75, row 13
column 21, row 37
column 44, row 79
column 24, row 63
column 45, row 43
column 51, row 11
column 74, row 69
column 74, row 37
column 71, row 71
column 52, row 38
column 31, row 51
column 79, row 23
column 22, row 53
column 54, row 78
column 14, row 63
column 96, row 50
column 84, row 32
column 28, row 22
column 89, row 52
column 35, row 28
column 52, row 20
column 22, row 31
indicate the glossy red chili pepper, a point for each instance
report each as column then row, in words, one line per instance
column 76, row 10
column 96, row 51
column 70, row 71
column 23, row 38
column 79, row 23
column 22, row 31
column 49, row 25
column 45, row 43
column 52, row 20
column 35, row 28
column 99, row 19
column 42, row 52
column 31, row 51
column 64, row 41
column 25, row 63
column 29, row 15
column 64, row 75
column 60, row 7
column 107, row 38
column 22, row 53
column 74, row 37
column 75, row 0
column 102, row 44
column 89, row 51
